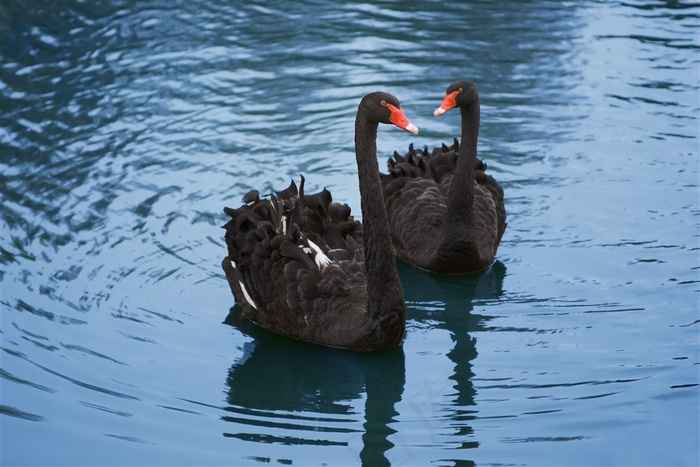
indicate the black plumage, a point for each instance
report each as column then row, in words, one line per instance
column 447, row 215
column 300, row 265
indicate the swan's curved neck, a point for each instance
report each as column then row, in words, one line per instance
column 383, row 286
column 461, row 200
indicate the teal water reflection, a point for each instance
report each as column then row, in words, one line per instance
column 309, row 397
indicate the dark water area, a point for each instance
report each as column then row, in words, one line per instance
column 126, row 127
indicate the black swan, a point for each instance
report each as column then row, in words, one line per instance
column 301, row 266
column 446, row 214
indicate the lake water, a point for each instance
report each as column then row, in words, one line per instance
column 127, row 126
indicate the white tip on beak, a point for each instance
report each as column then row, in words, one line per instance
column 412, row 128
column 439, row 111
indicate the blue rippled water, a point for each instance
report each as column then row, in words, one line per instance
column 126, row 127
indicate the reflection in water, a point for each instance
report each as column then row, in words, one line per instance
column 449, row 306
column 281, row 390
column 291, row 393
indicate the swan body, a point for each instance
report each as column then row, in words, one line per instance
column 447, row 215
column 300, row 265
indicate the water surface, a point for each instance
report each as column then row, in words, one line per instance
column 127, row 126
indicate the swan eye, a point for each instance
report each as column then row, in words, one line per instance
column 460, row 90
column 383, row 102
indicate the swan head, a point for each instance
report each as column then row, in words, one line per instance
column 459, row 94
column 383, row 107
